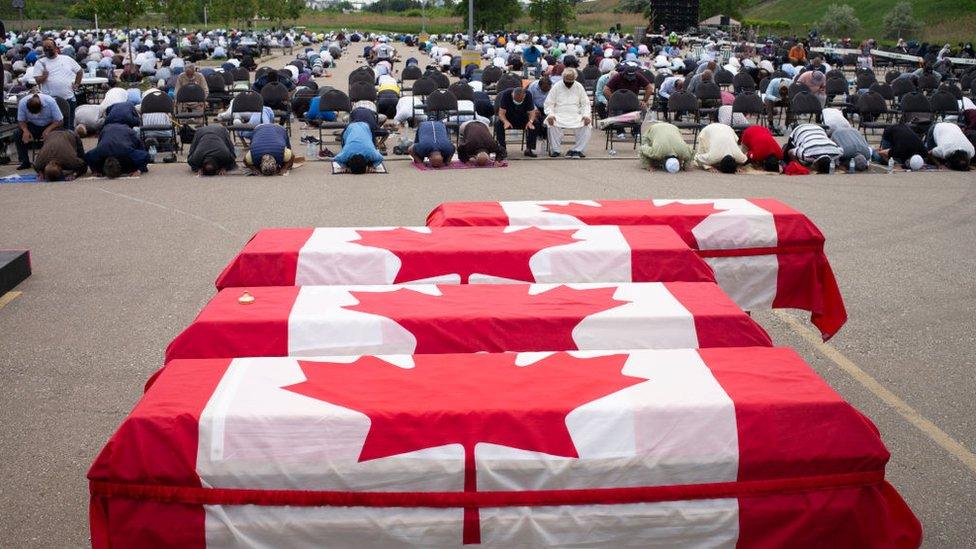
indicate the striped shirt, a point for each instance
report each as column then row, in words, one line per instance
column 811, row 142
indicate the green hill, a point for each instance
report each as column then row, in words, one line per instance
column 945, row 20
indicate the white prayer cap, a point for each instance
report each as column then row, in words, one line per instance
column 916, row 163
column 672, row 165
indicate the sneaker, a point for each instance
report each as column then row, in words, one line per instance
column 530, row 153
column 621, row 135
column 579, row 154
column 24, row 166
column 554, row 154
column 571, row 154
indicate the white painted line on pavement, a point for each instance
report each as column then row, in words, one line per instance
column 177, row 210
column 929, row 429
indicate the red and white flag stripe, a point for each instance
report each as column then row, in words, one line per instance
column 424, row 318
column 764, row 253
column 680, row 448
column 394, row 255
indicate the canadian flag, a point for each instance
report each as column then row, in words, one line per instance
column 426, row 318
column 655, row 448
column 463, row 255
column 764, row 253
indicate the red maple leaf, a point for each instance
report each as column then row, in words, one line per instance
column 680, row 217
column 483, row 250
column 466, row 400
column 494, row 318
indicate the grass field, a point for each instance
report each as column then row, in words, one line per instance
column 945, row 20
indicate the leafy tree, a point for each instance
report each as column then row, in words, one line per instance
column 552, row 15
column 279, row 10
column 840, row 21
column 121, row 12
column 228, row 11
column 900, row 22
column 293, row 9
column 490, row 14
column 179, row 11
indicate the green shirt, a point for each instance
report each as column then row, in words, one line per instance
column 662, row 140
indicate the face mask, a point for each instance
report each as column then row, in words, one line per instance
column 516, row 101
column 50, row 53
column 568, row 83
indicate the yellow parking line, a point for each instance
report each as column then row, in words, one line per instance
column 8, row 297
column 928, row 428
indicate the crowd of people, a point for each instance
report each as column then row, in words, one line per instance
column 435, row 108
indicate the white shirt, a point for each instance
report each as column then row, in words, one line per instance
column 61, row 73
column 112, row 97
column 568, row 105
column 949, row 139
column 834, row 119
column 89, row 115
column 406, row 108
column 715, row 142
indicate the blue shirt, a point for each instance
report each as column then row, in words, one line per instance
column 314, row 113
column 531, row 54
column 538, row 96
column 432, row 136
column 772, row 90
column 358, row 139
column 49, row 111
column 269, row 139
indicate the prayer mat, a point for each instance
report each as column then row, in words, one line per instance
column 458, row 165
column 337, row 169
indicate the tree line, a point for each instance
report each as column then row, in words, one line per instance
column 182, row 12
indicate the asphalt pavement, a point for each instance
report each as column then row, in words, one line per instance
column 120, row 267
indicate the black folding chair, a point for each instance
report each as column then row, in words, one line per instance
column 837, row 87
column 191, row 103
column 683, row 109
column 928, row 83
column 490, row 76
column 159, row 103
column 748, row 104
column 244, row 103
column 804, row 104
column 440, row 104
column 410, row 74
column 872, row 112
column 743, row 82
column 362, row 74
column 276, row 97
column 507, row 81
column 217, row 96
column 901, row 87
column 337, row 102
column 710, row 96
column 916, row 111
column 724, row 78
column 863, row 80
column 622, row 102
column 944, row 104
column 463, row 91
column 362, row 91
